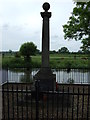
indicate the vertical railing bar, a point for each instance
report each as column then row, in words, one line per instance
column 82, row 102
column 57, row 105
column 17, row 102
column 62, row 101
column 26, row 103
column 37, row 99
column 42, row 107
column 3, row 102
column 77, row 103
column 52, row 104
column 31, row 107
column 88, row 105
column 47, row 106
column 67, row 102
column 72, row 103
column 12, row 101
column 8, row 101
column 22, row 99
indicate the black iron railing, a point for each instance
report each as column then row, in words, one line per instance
column 70, row 101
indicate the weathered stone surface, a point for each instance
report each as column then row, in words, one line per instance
column 46, row 79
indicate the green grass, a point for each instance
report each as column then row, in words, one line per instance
column 56, row 61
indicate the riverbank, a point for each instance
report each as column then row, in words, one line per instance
column 56, row 61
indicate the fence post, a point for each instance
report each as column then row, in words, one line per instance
column 37, row 99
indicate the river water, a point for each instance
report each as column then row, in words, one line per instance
column 62, row 76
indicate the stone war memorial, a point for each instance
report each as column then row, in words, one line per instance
column 45, row 77
column 43, row 99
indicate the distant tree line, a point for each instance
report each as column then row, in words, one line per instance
column 63, row 50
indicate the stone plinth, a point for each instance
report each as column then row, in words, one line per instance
column 47, row 80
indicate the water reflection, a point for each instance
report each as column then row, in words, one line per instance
column 27, row 77
column 62, row 76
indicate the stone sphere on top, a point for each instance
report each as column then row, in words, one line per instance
column 46, row 6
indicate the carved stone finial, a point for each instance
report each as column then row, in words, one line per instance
column 46, row 6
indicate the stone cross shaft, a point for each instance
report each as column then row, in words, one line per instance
column 47, row 80
column 45, row 35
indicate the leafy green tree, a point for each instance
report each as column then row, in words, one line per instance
column 63, row 50
column 78, row 26
column 28, row 49
column 53, row 52
column 17, row 54
column 10, row 52
column 37, row 51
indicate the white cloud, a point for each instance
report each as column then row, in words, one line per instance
column 22, row 22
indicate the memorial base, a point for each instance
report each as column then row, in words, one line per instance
column 46, row 79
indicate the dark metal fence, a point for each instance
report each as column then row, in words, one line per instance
column 69, row 102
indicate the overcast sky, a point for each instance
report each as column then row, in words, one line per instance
column 20, row 22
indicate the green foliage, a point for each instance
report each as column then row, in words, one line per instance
column 10, row 51
column 38, row 51
column 63, row 50
column 16, row 62
column 68, row 64
column 17, row 54
column 28, row 49
column 85, row 47
column 78, row 26
column 56, row 61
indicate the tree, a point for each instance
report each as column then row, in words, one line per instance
column 17, row 54
column 10, row 51
column 28, row 49
column 53, row 52
column 85, row 47
column 79, row 51
column 63, row 50
column 78, row 26
column 37, row 51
